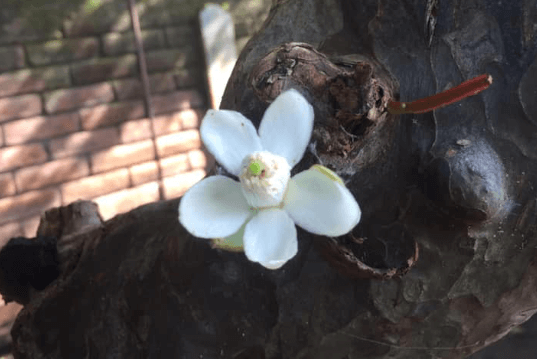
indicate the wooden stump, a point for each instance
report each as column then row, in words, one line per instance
column 443, row 260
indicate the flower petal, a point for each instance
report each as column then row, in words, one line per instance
column 229, row 136
column 286, row 126
column 321, row 205
column 233, row 243
column 270, row 238
column 214, row 208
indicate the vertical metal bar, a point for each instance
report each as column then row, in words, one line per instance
column 145, row 83
column 141, row 57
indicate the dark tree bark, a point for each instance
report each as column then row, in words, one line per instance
column 456, row 185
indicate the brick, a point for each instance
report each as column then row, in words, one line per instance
column 178, row 142
column 65, row 50
column 173, row 165
column 122, row 155
column 40, row 176
column 161, row 14
column 169, row 123
column 30, row 225
column 128, row 89
column 11, row 58
column 68, row 99
column 20, row 156
column 176, row 101
column 111, row 114
column 176, row 122
column 19, row 107
column 84, row 141
column 187, row 78
column 8, row 231
column 169, row 59
column 177, row 185
column 33, row 80
column 191, row 119
column 161, row 82
column 121, row 43
column 102, row 69
column 173, row 13
column 28, row 204
column 179, row 36
column 104, row 16
column 7, row 185
column 144, row 172
column 127, row 199
column 94, row 186
column 137, row 130
column 41, row 127
column 22, row 24
column 198, row 159
column 132, row 88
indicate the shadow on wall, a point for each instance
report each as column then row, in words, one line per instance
column 72, row 118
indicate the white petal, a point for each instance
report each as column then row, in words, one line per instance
column 229, row 136
column 270, row 238
column 287, row 125
column 273, row 264
column 214, row 208
column 233, row 243
column 320, row 204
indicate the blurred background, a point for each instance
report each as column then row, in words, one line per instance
column 75, row 122
column 74, row 118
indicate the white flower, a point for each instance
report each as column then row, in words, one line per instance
column 263, row 208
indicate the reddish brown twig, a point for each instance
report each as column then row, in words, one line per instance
column 457, row 93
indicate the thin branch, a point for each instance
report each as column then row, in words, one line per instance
column 466, row 89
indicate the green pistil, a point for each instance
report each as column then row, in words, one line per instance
column 255, row 168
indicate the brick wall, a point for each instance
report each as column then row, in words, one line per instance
column 72, row 120
column 72, row 117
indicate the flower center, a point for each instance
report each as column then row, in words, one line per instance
column 255, row 168
column 264, row 178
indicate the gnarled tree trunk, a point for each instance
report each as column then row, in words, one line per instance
column 443, row 260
